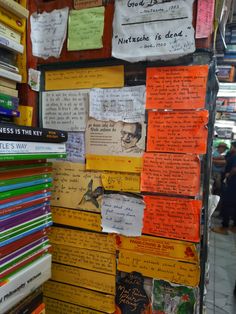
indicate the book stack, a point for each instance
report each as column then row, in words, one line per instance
column 13, row 17
column 25, row 216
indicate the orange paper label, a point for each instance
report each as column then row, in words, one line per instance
column 171, row 174
column 170, row 217
column 176, row 87
column 183, row 132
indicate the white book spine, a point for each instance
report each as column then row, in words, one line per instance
column 15, row 8
column 10, row 75
column 11, row 44
column 24, row 282
column 12, row 147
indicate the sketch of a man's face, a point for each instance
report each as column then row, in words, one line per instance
column 130, row 135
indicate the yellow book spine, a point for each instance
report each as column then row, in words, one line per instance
column 12, row 21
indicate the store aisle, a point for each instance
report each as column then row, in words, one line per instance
column 222, row 277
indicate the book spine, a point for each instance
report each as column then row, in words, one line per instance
column 8, row 91
column 11, row 44
column 14, row 181
column 9, row 102
column 9, row 112
column 24, row 184
column 23, row 166
column 33, row 134
column 13, row 147
column 9, row 157
column 7, row 83
column 12, row 20
column 8, row 194
column 15, row 8
column 10, row 33
column 10, row 75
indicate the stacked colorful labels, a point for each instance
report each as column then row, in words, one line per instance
column 25, row 216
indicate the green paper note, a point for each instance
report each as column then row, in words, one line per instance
column 85, row 29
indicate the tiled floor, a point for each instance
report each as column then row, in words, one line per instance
column 222, row 276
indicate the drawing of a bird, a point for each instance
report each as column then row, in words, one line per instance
column 92, row 196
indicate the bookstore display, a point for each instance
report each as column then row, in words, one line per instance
column 107, row 113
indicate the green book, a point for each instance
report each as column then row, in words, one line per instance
column 27, row 166
column 9, row 102
column 24, row 179
column 12, row 193
column 10, row 157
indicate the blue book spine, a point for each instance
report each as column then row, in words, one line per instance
column 9, row 112
column 24, row 184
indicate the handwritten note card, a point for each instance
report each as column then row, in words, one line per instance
column 171, row 174
column 152, row 30
column 100, row 77
column 76, row 188
column 118, row 181
column 75, row 147
column 179, row 87
column 65, row 110
column 84, row 4
column 183, row 132
column 178, row 250
column 205, row 17
column 85, row 29
column 122, row 214
column 170, row 217
column 48, row 32
column 124, row 104
column 156, row 267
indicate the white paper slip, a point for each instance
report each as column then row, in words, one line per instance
column 122, row 214
column 152, row 30
column 125, row 104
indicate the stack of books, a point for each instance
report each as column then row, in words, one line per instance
column 25, row 215
column 12, row 29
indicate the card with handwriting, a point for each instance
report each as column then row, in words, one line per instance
column 171, row 174
column 168, row 298
column 75, row 147
column 205, row 18
column 121, row 181
column 177, row 132
column 131, row 296
column 177, row 87
column 76, row 188
column 122, row 214
column 171, row 217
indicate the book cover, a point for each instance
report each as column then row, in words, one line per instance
column 12, row 20
column 22, row 283
column 28, row 304
column 32, row 134
column 9, row 102
column 8, row 57
column 8, row 91
column 14, row 147
column 9, row 157
column 8, row 112
column 25, row 184
column 10, row 44
column 15, row 8
column 10, row 75
column 10, row 33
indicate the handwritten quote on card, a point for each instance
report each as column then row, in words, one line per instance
column 171, row 174
column 118, row 181
column 178, row 87
column 183, row 132
column 170, row 217
column 122, row 214
column 65, row 110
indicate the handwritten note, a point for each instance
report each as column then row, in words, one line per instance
column 65, row 110
column 76, row 188
column 114, row 163
column 118, row 181
column 84, row 278
column 80, row 296
column 170, row 217
column 115, row 138
column 75, row 147
column 183, row 132
column 100, row 77
column 75, row 218
column 205, row 18
column 93, row 260
column 85, row 29
column 83, row 239
column 48, row 32
column 171, row 174
column 179, row 87
column 122, row 214
column 84, row 4
column 142, row 30
column 178, row 250
column 124, row 104
column 57, row 307
column 157, row 267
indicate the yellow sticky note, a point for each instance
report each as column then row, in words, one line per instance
column 85, row 29
column 80, row 296
column 78, row 219
column 114, row 163
column 26, row 116
column 84, row 278
column 161, row 268
column 166, row 248
column 118, row 181
column 100, row 77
